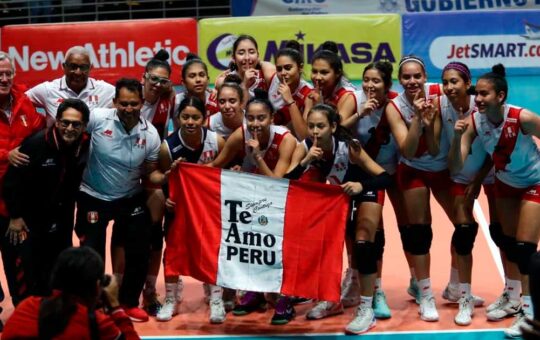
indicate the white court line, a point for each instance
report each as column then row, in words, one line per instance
column 484, row 225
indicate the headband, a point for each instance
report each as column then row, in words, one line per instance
column 415, row 59
column 459, row 67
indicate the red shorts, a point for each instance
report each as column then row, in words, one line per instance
column 410, row 178
column 503, row 190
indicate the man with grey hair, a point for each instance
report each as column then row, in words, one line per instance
column 18, row 119
column 76, row 83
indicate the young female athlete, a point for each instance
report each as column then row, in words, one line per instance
column 195, row 144
column 505, row 132
column 288, row 91
column 330, row 155
column 231, row 109
column 265, row 149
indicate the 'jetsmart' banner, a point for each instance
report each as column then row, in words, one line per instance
column 257, row 233
column 117, row 48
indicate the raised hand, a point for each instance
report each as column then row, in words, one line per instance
column 254, row 146
column 461, row 124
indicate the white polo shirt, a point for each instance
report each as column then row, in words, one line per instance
column 117, row 158
column 48, row 95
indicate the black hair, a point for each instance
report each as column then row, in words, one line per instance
column 328, row 52
column 233, row 81
column 261, row 97
column 463, row 71
column 75, row 274
column 76, row 104
column 194, row 102
column 497, row 77
column 411, row 58
column 293, row 51
column 385, row 69
column 331, row 113
column 130, row 84
column 192, row 59
column 159, row 60
column 242, row 37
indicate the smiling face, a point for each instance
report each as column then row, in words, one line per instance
column 190, row 121
column 246, row 55
column 259, row 119
column 77, row 70
column 323, row 75
column 156, row 82
column 319, row 127
column 487, row 99
column 196, row 80
column 373, row 85
column 412, row 77
column 454, row 86
column 128, row 106
column 230, row 103
column 70, row 126
column 288, row 71
column 6, row 77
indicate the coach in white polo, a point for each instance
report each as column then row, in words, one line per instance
column 75, row 83
column 123, row 147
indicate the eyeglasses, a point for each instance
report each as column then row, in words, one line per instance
column 8, row 75
column 155, row 79
column 73, row 67
column 74, row 123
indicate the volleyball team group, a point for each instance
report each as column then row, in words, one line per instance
column 448, row 139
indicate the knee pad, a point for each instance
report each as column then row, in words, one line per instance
column 364, row 253
column 495, row 231
column 463, row 238
column 524, row 251
column 419, row 239
column 403, row 235
column 379, row 243
column 508, row 247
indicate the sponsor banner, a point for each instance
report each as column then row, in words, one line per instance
column 117, row 48
column 257, row 233
column 361, row 39
column 511, row 38
column 287, row 7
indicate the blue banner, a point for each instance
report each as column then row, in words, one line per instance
column 479, row 40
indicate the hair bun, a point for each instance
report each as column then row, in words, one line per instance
column 192, row 56
column 260, row 94
column 233, row 78
column 162, row 55
column 293, row 44
column 330, row 46
column 499, row 70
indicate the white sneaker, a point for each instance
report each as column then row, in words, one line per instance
column 324, row 309
column 428, row 310
column 501, row 300
column 465, row 312
column 507, row 309
column 514, row 331
column 363, row 321
column 453, row 295
column 217, row 311
column 168, row 310
column 350, row 289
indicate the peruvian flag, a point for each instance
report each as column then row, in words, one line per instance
column 257, row 233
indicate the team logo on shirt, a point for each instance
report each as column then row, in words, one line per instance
column 93, row 99
column 107, row 133
column 60, row 100
column 140, row 142
column 340, row 166
column 208, row 156
column 92, row 217
column 510, row 133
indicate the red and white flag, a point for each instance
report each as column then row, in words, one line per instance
column 257, row 233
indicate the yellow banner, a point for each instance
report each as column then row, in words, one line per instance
column 361, row 39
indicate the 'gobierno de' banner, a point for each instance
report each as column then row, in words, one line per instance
column 117, row 48
column 478, row 40
column 361, row 39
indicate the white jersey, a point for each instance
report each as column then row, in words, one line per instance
column 522, row 169
column 48, row 95
column 270, row 154
column 116, row 160
column 215, row 123
column 376, row 137
column 477, row 156
column 422, row 160
column 340, row 165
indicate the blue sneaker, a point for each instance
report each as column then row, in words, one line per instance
column 284, row 312
column 380, row 306
column 250, row 302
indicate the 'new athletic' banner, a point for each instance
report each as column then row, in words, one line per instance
column 257, row 233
